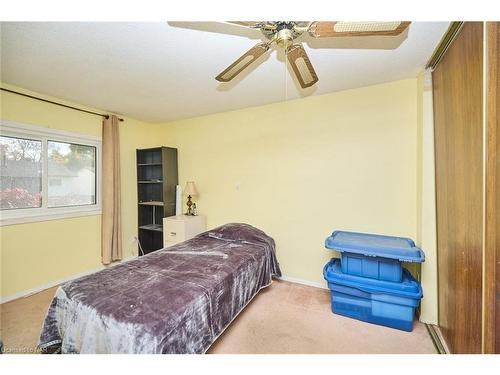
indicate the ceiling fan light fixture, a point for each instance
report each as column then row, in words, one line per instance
column 284, row 38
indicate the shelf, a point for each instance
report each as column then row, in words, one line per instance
column 157, row 177
column 148, row 164
column 152, row 203
column 152, row 227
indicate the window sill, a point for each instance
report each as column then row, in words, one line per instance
column 54, row 214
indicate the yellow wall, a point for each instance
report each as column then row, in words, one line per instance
column 426, row 208
column 300, row 169
column 39, row 253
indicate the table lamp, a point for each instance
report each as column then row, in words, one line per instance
column 190, row 191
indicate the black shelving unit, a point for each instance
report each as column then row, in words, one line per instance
column 157, row 178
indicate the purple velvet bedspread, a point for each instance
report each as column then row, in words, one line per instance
column 174, row 300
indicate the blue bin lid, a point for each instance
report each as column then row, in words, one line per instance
column 408, row 287
column 375, row 245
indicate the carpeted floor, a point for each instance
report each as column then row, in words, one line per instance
column 283, row 318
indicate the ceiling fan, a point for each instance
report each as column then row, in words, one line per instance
column 284, row 33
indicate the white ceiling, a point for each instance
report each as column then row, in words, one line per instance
column 165, row 71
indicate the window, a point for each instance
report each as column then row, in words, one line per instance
column 71, row 171
column 21, row 173
column 47, row 174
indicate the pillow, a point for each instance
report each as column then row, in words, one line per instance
column 246, row 233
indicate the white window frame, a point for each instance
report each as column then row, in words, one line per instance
column 44, row 213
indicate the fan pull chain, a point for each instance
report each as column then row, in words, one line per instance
column 285, row 65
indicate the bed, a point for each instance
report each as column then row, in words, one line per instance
column 175, row 300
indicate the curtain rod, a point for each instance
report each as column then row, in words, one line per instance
column 59, row 104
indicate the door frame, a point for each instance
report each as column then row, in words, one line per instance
column 492, row 191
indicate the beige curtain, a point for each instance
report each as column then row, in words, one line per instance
column 111, row 232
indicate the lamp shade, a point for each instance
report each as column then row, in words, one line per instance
column 190, row 188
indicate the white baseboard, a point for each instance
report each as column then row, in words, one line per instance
column 41, row 288
column 304, row 282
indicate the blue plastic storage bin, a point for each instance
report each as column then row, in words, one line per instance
column 380, row 302
column 373, row 255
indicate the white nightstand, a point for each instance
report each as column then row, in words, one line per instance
column 181, row 228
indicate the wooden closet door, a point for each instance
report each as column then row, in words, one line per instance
column 492, row 234
column 457, row 89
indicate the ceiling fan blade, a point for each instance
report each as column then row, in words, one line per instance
column 239, row 65
column 217, row 27
column 301, row 65
column 321, row 29
column 262, row 25
column 250, row 24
